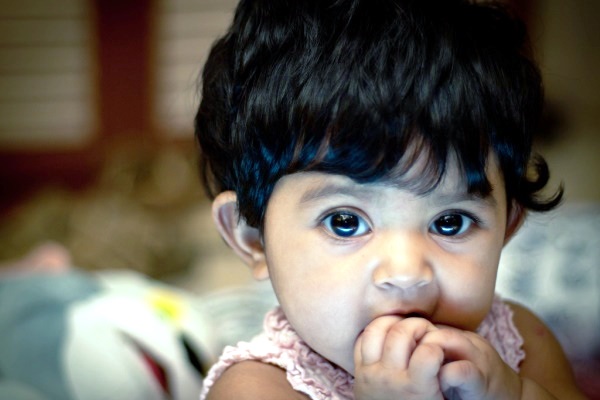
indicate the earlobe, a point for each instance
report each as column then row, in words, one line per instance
column 514, row 220
column 242, row 238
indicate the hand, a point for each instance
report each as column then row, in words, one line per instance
column 391, row 361
column 472, row 369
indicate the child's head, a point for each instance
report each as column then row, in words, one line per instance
column 361, row 88
column 373, row 150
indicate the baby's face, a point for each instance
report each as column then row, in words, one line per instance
column 341, row 254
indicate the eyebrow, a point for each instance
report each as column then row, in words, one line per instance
column 363, row 192
column 458, row 197
column 329, row 190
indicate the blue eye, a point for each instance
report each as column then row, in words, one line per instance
column 452, row 224
column 345, row 224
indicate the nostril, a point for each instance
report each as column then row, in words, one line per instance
column 404, row 283
column 394, row 274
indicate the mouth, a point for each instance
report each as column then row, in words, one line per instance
column 404, row 314
column 414, row 314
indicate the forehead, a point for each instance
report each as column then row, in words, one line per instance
column 309, row 187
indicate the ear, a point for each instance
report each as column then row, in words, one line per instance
column 514, row 220
column 242, row 238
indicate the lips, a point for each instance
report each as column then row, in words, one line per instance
column 413, row 314
column 403, row 314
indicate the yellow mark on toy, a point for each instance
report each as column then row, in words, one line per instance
column 167, row 305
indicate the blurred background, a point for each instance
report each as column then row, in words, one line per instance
column 97, row 100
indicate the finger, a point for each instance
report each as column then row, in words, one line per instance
column 376, row 340
column 425, row 364
column 401, row 341
column 462, row 378
column 370, row 343
column 455, row 343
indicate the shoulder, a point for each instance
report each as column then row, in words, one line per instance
column 253, row 380
column 545, row 361
column 536, row 335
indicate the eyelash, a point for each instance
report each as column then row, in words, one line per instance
column 473, row 222
column 364, row 227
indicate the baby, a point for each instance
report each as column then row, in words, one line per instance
column 372, row 158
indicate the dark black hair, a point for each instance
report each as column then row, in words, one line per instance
column 351, row 86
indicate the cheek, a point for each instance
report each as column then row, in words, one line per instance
column 309, row 281
column 313, row 286
column 467, row 288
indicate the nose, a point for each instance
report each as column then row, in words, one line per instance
column 403, row 261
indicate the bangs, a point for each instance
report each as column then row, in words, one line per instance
column 409, row 160
column 355, row 101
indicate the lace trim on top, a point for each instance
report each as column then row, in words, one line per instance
column 310, row 373
column 499, row 329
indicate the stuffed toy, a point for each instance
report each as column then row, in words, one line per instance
column 69, row 334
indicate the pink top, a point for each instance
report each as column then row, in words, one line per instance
column 310, row 373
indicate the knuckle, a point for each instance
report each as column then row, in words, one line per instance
column 431, row 351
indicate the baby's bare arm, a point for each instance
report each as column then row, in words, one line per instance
column 253, row 380
column 545, row 365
